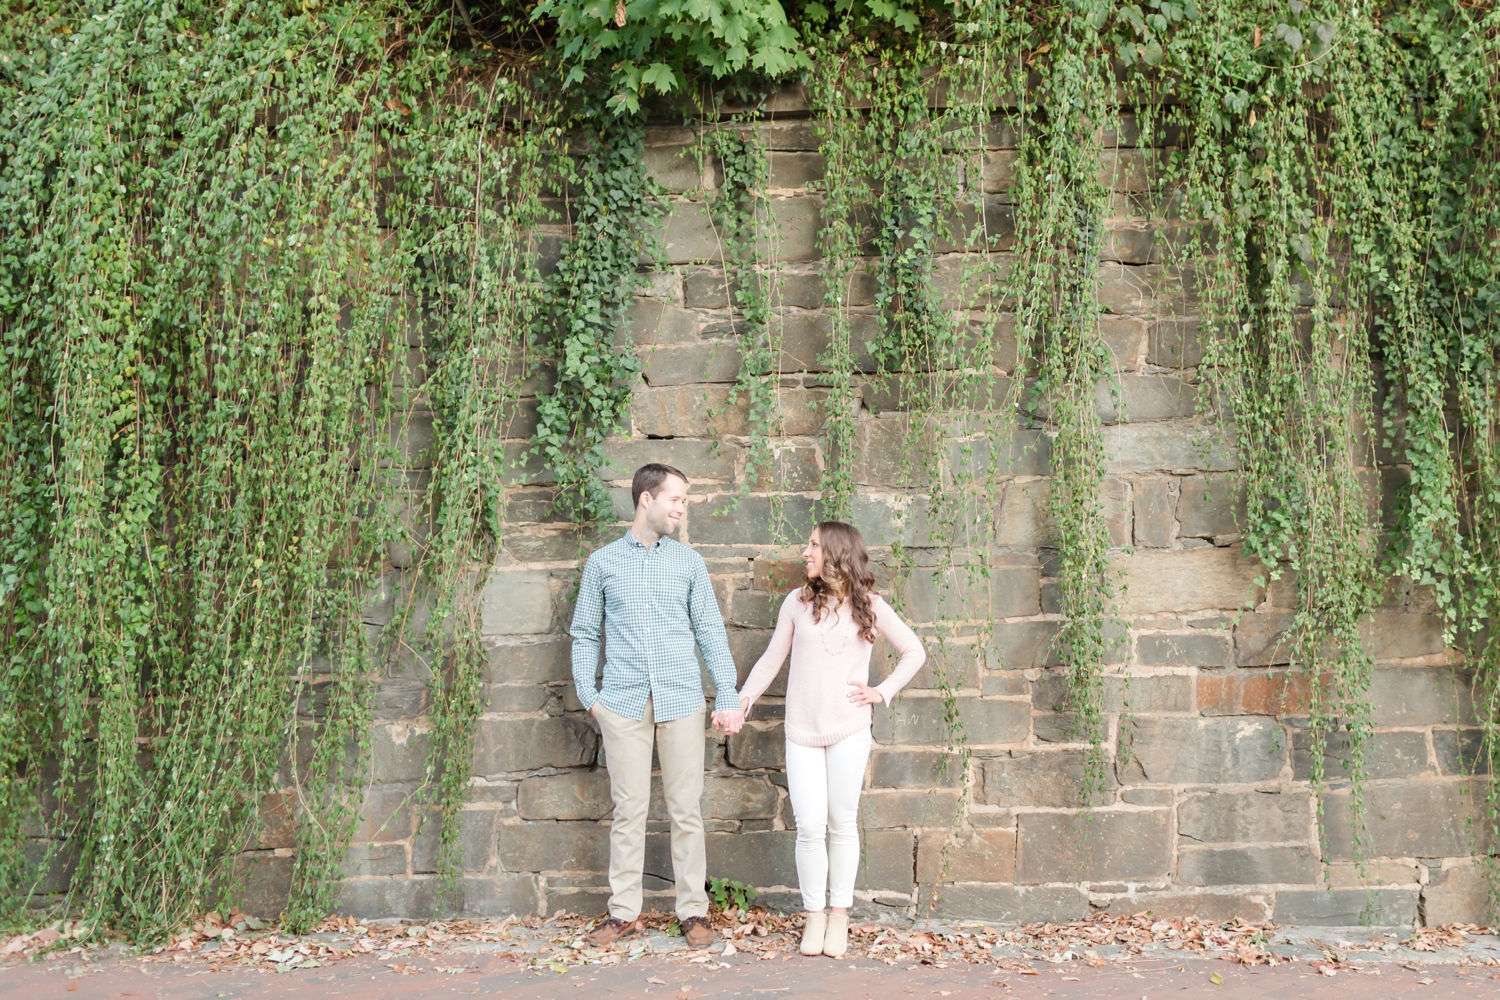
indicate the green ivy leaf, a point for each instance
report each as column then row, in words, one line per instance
column 660, row 76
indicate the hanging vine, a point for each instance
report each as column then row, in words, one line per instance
column 480, row 294
column 1291, row 355
column 836, row 94
column 612, row 207
column 249, row 254
column 895, row 163
column 215, row 256
column 1060, row 202
column 1416, row 168
column 741, row 211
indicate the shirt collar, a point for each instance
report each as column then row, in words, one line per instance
column 630, row 539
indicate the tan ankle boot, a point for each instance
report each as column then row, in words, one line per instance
column 812, row 933
column 836, row 935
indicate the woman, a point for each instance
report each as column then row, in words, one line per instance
column 829, row 626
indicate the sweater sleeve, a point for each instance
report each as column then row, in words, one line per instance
column 769, row 665
column 900, row 635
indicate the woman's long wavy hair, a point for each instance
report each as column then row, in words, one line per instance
column 846, row 573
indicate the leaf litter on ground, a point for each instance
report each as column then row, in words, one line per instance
column 558, row 943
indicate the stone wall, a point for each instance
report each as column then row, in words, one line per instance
column 1210, row 811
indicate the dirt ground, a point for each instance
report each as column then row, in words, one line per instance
column 1130, row 958
column 366, row 978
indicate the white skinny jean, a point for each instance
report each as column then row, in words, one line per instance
column 824, row 784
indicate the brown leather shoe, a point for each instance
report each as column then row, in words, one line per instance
column 611, row 930
column 697, row 932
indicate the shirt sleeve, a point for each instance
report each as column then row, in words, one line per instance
column 769, row 665
column 708, row 628
column 588, row 618
column 900, row 635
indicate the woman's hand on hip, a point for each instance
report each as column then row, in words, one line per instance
column 863, row 694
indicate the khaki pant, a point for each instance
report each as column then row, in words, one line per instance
column 627, row 751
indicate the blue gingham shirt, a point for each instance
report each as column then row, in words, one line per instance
column 653, row 603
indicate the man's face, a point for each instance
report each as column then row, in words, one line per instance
column 665, row 509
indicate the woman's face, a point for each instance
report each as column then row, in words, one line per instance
column 813, row 556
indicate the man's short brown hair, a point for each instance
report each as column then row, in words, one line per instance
column 648, row 479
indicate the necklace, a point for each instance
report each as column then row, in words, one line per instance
column 832, row 631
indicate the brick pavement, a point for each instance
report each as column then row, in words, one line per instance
column 365, row 978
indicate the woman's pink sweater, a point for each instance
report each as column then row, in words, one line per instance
column 826, row 656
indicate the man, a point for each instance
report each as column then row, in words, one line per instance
column 654, row 598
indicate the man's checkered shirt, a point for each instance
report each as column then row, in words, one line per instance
column 652, row 602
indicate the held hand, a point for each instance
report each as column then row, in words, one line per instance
column 730, row 722
column 863, row 694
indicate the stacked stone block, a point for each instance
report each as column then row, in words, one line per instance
column 1207, row 805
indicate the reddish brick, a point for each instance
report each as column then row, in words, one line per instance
column 1260, row 694
column 1274, row 694
column 1217, row 694
column 779, row 575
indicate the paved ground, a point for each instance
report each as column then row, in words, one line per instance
column 366, row 978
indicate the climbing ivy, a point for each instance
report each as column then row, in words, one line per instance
column 1288, row 350
column 845, row 190
column 891, row 164
column 1415, row 169
column 740, row 209
column 657, row 47
column 611, row 205
column 227, row 232
column 1060, row 200
column 270, row 285
column 1341, row 164
column 481, row 294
